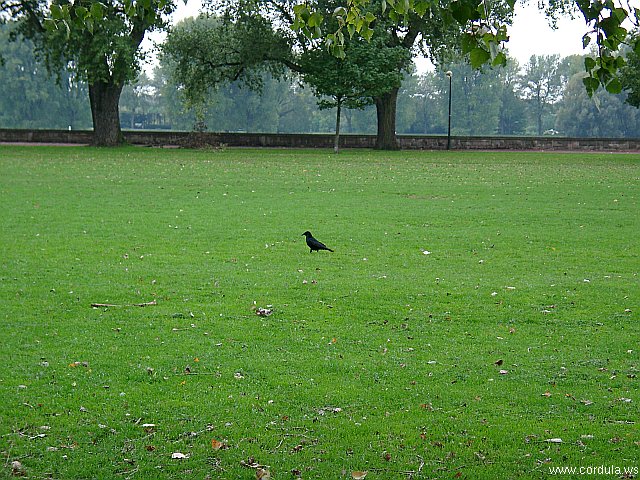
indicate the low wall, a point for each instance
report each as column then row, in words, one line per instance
column 409, row 142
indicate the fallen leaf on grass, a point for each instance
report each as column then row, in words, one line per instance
column 251, row 463
column 217, row 445
column 503, row 372
column 358, row 475
column 553, row 440
column 17, row 470
column 179, row 456
column 498, row 362
column 77, row 364
column 263, row 474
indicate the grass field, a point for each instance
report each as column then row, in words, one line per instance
column 478, row 319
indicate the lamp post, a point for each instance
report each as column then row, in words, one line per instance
column 449, row 74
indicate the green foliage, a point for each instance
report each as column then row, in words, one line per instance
column 370, row 69
column 378, row 357
column 542, row 85
column 485, row 31
column 101, row 39
column 206, row 52
column 482, row 21
column 630, row 79
column 601, row 115
column 36, row 100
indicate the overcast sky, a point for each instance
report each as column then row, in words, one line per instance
column 529, row 35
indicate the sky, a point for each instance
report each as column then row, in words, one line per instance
column 530, row 33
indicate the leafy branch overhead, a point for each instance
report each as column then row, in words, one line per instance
column 484, row 35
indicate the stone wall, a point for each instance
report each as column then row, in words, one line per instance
column 409, row 142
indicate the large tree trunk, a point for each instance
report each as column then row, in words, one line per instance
column 386, row 110
column 105, row 110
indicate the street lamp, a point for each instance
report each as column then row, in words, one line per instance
column 449, row 74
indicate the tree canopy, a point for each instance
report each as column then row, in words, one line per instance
column 484, row 33
column 630, row 77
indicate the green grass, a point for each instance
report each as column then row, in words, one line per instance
column 377, row 358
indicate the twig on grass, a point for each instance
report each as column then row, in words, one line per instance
column 106, row 305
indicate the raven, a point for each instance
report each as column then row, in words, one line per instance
column 314, row 244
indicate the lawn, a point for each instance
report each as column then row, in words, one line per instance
column 478, row 319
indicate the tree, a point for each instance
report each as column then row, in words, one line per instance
column 631, row 75
column 426, row 97
column 477, row 101
column 368, row 70
column 206, row 52
column 212, row 50
column 602, row 115
column 36, row 101
column 511, row 116
column 541, row 86
column 99, row 40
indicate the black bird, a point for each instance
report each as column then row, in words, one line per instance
column 314, row 244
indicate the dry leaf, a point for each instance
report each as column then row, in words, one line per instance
column 358, row 475
column 503, row 372
column 498, row 362
column 216, row 445
column 263, row 474
column 17, row 470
